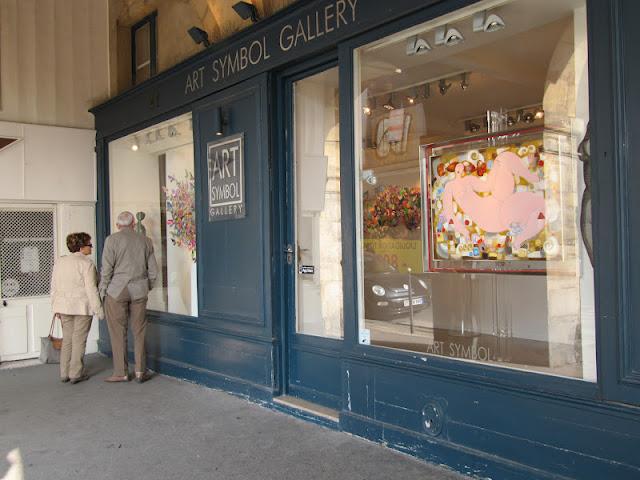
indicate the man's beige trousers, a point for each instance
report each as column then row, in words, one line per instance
column 119, row 311
column 75, row 329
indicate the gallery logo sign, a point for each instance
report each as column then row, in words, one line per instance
column 225, row 161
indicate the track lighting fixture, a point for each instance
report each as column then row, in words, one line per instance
column 511, row 121
column 464, row 82
column 448, row 36
column 246, row 10
column 417, row 45
column 539, row 113
column 199, row 36
column 487, row 22
column 443, row 86
column 528, row 117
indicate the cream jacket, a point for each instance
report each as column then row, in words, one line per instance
column 74, row 288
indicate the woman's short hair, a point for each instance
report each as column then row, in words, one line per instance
column 75, row 241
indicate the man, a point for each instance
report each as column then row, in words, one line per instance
column 129, row 270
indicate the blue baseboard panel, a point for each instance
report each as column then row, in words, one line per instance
column 449, row 455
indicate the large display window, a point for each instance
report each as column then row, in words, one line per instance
column 151, row 175
column 474, row 230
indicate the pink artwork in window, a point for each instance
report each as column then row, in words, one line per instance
column 488, row 200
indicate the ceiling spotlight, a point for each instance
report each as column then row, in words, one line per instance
column 427, row 91
column 135, row 145
column 366, row 110
column 539, row 113
column 464, row 83
column 417, row 45
column 471, row 126
column 448, row 36
column 528, row 117
column 398, row 70
column 511, row 121
column 443, row 86
column 247, row 10
column 199, row 36
column 369, row 177
column 487, row 22
column 413, row 98
column 389, row 104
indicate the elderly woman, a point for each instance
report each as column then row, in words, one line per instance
column 75, row 299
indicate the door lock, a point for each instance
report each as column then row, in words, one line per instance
column 289, row 252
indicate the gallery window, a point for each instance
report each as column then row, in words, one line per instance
column 473, row 187
column 151, row 175
column 144, row 49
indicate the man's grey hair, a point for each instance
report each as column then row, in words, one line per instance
column 125, row 219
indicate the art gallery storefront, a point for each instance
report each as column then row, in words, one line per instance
column 418, row 215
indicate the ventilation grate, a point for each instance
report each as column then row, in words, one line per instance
column 27, row 252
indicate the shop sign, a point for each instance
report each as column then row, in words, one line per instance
column 225, row 165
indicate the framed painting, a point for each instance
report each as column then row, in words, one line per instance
column 494, row 202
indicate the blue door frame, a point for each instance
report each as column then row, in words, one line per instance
column 311, row 364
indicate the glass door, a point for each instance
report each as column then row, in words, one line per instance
column 314, row 248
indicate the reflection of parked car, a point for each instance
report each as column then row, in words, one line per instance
column 386, row 291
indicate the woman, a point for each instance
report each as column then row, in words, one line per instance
column 75, row 299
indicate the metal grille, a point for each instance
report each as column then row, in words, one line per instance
column 27, row 252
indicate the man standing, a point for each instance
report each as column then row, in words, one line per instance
column 129, row 270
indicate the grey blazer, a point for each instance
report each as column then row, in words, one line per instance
column 127, row 262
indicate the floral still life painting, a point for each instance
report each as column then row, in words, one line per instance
column 180, row 212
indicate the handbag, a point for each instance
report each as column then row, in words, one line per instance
column 50, row 346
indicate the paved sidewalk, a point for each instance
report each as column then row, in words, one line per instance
column 170, row 429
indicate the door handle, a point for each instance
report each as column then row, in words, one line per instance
column 289, row 254
column 4, row 303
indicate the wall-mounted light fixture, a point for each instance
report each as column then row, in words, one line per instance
column 199, row 36
column 221, row 123
column 417, row 45
column 135, row 145
column 246, row 11
column 487, row 22
column 448, row 36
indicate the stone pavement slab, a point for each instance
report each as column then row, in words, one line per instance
column 171, row 429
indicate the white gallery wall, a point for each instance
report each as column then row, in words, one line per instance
column 47, row 168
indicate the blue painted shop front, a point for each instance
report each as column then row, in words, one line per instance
column 242, row 329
